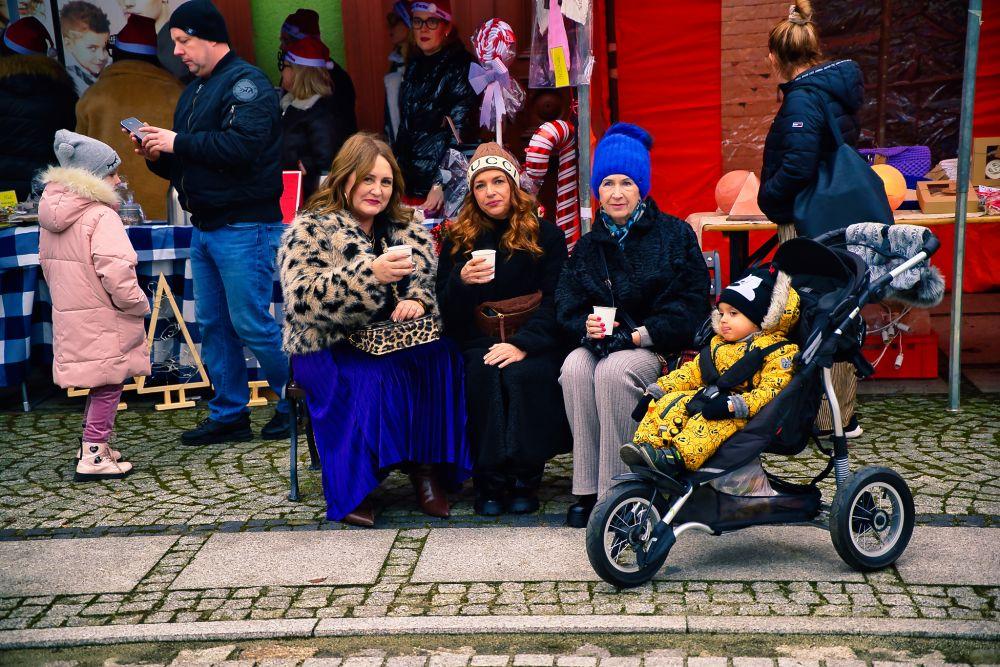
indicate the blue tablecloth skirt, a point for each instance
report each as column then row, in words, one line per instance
column 371, row 413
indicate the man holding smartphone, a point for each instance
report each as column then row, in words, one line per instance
column 223, row 158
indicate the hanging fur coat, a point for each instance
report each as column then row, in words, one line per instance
column 697, row 438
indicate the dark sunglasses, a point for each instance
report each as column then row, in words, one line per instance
column 281, row 60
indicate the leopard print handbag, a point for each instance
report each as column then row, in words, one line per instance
column 388, row 336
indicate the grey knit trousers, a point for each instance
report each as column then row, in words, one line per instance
column 845, row 382
column 600, row 395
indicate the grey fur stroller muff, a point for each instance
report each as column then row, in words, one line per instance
column 634, row 525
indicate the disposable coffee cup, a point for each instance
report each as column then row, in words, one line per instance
column 606, row 314
column 490, row 256
column 404, row 248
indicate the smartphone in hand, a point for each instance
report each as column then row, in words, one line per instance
column 134, row 126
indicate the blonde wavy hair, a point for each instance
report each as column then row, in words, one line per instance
column 794, row 41
column 309, row 81
column 522, row 234
column 357, row 157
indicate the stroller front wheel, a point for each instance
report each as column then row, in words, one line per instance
column 618, row 534
column 871, row 519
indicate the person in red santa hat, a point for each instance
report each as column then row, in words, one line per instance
column 312, row 130
column 36, row 99
column 304, row 23
column 135, row 84
column 435, row 87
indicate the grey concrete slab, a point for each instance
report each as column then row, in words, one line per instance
column 808, row 625
column 772, row 553
column 779, row 553
column 152, row 632
column 77, row 566
column 341, row 627
column 503, row 554
column 288, row 559
column 959, row 556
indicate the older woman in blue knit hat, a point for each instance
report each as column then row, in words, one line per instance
column 647, row 265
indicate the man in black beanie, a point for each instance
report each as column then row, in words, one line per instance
column 223, row 158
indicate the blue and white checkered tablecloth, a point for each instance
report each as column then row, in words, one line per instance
column 25, row 305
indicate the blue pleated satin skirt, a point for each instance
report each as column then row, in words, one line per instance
column 370, row 413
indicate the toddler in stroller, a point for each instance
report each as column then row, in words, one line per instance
column 637, row 521
column 685, row 416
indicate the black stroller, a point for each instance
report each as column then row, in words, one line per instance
column 634, row 525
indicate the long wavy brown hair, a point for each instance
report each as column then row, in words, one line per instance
column 522, row 234
column 357, row 156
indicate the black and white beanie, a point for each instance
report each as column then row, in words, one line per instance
column 761, row 296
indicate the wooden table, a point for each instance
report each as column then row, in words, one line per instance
column 738, row 233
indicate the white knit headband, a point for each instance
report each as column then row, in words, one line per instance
column 492, row 162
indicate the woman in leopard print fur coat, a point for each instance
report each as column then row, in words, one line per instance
column 340, row 273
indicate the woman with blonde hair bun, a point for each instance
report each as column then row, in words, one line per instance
column 800, row 136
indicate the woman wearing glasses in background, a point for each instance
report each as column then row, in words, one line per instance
column 435, row 86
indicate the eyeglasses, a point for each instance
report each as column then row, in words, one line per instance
column 281, row 60
column 431, row 23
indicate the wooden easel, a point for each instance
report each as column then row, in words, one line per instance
column 181, row 400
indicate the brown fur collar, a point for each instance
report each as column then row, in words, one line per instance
column 32, row 66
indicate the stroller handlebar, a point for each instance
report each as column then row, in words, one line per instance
column 931, row 245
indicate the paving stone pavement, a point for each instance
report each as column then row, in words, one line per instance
column 587, row 655
column 950, row 461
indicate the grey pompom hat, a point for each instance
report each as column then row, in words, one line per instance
column 77, row 151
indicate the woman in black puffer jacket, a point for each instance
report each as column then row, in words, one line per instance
column 648, row 265
column 36, row 99
column 799, row 136
column 435, row 86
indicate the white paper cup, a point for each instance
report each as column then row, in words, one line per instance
column 404, row 248
column 490, row 256
column 606, row 314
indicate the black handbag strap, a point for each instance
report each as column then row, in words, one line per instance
column 607, row 274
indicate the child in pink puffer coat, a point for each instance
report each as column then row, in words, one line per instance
column 98, row 308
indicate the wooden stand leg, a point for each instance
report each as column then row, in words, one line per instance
column 170, row 404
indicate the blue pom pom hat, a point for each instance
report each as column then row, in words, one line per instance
column 624, row 149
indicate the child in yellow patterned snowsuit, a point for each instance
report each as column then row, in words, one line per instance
column 756, row 312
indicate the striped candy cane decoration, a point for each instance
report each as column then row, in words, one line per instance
column 557, row 135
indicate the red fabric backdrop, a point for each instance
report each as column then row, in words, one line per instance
column 669, row 68
column 670, row 83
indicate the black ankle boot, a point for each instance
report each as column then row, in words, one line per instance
column 579, row 512
column 522, row 495
column 489, row 495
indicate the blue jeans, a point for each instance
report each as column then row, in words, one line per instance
column 233, row 271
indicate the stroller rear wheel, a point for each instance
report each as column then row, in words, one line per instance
column 871, row 519
column 618, row 533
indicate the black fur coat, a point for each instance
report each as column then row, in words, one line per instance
column 660, row 280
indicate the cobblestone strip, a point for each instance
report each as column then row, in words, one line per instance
column 586, row 656
column 882, row 595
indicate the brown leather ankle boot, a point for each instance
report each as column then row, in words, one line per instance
column 430, row 495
